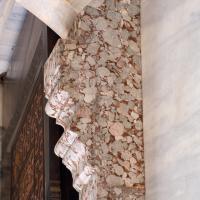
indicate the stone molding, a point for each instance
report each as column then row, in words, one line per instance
column 57, row 14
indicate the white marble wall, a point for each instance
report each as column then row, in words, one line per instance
column 11, row 20
column 5, row 10
column 171, row 92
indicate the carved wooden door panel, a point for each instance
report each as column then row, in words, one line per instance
column 28, row 150
column 37, row 173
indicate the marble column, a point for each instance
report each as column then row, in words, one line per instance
column 171, row 94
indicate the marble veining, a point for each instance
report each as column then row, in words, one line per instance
column 10, row 26
column 171, row 96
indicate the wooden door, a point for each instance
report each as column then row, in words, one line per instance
column 28, row 173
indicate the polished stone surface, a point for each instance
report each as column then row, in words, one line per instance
column 11, row 20
column 171, row 92
column 57, row 14
column 93, row 86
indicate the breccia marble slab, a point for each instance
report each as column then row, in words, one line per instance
column 94, row 90
column 171, row 96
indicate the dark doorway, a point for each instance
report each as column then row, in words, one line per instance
column 60, row 177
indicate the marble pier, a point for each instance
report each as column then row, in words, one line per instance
column 171, row 93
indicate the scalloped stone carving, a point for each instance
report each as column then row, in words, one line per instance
column 93, row 85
